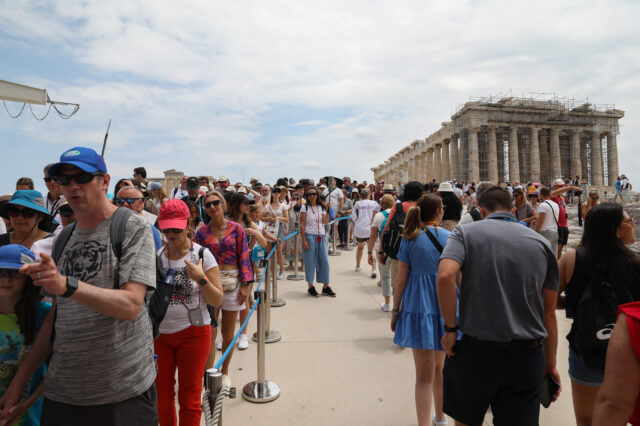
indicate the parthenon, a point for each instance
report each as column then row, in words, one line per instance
column 511, row 139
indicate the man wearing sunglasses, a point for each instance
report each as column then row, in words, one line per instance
column 193, row 190
column 131, row 198
column 52, row 200
column 101, row 370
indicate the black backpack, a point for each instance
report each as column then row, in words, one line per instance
column 595, row 318
column 159, row 301
column 393, row 237
column 475, row 214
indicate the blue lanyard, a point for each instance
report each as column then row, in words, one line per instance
column 508, row 219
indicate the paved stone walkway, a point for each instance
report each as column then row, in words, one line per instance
column 337, row 365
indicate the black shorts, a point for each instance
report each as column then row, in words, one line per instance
column 508, row 380
column 139, row 410
column 563, row 235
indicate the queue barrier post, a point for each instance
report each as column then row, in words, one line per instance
column 333, row 251
column 261, row 390
column 270, row 336
column 212, row 400
column 296, row 276
column 347, row 247
column 275, row 301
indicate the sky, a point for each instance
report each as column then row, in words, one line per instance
column 303, row 89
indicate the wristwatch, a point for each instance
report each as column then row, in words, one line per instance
column 72, row 286
column 451, row 329
column 202, row 282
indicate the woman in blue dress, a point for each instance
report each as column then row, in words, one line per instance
column 416, row 318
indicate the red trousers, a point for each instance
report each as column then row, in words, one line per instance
column 187, row 350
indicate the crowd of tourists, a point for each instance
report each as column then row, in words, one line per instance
column 108, row 290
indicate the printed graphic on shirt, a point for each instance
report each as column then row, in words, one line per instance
column 182, row 294
column 84, row 260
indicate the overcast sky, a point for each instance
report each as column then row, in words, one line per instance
column 304, row 88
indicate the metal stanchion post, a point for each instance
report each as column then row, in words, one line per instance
column 333, row 251
column 347, row 246
column 261, row 390
column 270, row 336
column 296, row 253
column 275, row 301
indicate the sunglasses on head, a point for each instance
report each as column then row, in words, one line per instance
column 65, row 211
column 210, row 204
column 79, row 178
column 26, row 213
column 10, row 273
column 171, row 231
column 121, row 201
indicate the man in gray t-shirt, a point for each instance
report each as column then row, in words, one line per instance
column 507, row 305
column 101, row 371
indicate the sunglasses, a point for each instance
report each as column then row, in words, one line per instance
column 210, row 204
column 193, row 186
column 171, row 231
column 79, row 178
column 311, row 194
column 65, row 211
column 121, row 201
column 26, row 213
column 48, row 179
column 10, row 273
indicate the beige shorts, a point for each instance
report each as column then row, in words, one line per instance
column 231, row 285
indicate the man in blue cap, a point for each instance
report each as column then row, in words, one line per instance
column 101, row 371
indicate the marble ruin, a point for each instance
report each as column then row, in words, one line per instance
column 514, row 140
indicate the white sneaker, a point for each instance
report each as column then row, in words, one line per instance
column 226, row 381
column 436, row 421
column 357, row 269
column 281, row 275
column 373, row 273
column 243, row 342
column 386, row 307
column 219, row 345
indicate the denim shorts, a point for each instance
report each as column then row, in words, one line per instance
column 581, row 373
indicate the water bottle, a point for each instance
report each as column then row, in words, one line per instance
column 155, row 361
column 170, row 276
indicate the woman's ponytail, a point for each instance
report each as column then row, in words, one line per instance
column 412, row 224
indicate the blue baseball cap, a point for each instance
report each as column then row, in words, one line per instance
column 84, row 158
column 13, row 256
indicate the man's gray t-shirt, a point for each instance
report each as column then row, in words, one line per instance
column 99, row 359
column 504, row 267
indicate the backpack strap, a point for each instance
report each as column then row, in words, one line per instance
column 119, row 220
column 201, row 253
column 552, row 212
column 61, row 241
column 434, row 240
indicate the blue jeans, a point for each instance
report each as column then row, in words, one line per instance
column 316, row 259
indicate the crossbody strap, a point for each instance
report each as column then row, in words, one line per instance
column 552, row 212
column 434, row 240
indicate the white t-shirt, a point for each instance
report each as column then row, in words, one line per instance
column 363, row 211
column 377, row 223
column 3, row 227
column 334, row 198
column 549, row 208
column 187, row 291
column 279, row 212
column 313, row 224
column 178, row 193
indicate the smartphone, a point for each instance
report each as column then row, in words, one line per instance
column 549, row 388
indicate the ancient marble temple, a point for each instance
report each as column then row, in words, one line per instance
column 514, row 140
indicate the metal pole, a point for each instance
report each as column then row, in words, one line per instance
column 333, row 251
column 296, row 253
column 213, row 384
column 347, row 246
column 275, row 301
column 261, row 390
column 270, row 336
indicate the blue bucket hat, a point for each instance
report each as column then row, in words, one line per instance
column 13, row 256
column 83, row 158
column 27, row 198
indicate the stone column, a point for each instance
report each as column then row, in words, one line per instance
column 514, row 164
column 534, row 146
column 612, row 158
column 556, row 170
column 411, row 167
column 429, row 165
column 492, row 155
column 455, row 171
column 446, row 170
column 596, row 160
column 576, row 164
column 474, row 161
column 438, row 163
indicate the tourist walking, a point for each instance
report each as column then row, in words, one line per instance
column 547, row 221
column 524, row 210
column 374, row 246
column 343, row 225
column 416, row 318
column 362, row 215
column 602, row 256
column 313, row 217
column 559, row 188
column 506, row 315
column 185, row 331
column 626, row 189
